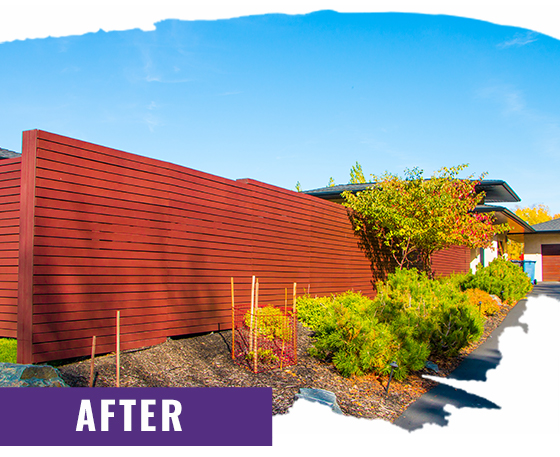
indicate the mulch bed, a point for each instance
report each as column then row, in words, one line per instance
column 205, row 361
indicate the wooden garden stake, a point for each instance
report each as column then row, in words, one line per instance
column 92, row 366
column 252, row 311
column 256, row 331
column 294, row 317
column 118, row 347
column 294, row 298
column 284, row 325
column 232, row 322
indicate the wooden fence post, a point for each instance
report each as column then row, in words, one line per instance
column 118, row 347
column 92, row 364
column 232, row 321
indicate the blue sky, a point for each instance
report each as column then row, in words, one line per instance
column 287, row 98
column 301, row 98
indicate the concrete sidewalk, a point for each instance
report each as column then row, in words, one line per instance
column 428, row 409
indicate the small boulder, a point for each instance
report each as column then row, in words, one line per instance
column 321, row 396
column 432, row 366
column 497, row 300
column 16, row 375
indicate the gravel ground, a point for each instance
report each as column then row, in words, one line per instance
column 205, row 361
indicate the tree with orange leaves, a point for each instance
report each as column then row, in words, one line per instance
column 415, row 217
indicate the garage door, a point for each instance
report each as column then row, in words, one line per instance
column 551, row 262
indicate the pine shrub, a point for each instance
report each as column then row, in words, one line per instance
column 353, row 338
column 436, row 313
column 411, row 318
column 502, row 278
column 8, row 350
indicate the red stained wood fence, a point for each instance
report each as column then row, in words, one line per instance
column 9, row 244
column 101, row 231
column 455, row 259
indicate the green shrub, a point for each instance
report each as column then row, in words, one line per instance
column 8, row 350
column 311, row 312
column 411, row 317
column 352, row 337
column 502, row 278
column 436, row 313
column 456, row 327
column 357, row 342
column 271, row 323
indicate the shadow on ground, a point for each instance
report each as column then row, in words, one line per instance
column 430, row 410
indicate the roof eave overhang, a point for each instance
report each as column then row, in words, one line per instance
column 519, row 225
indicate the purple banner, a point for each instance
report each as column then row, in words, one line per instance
column 136, row 416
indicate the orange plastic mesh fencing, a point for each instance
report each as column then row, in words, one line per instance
column 265, row 340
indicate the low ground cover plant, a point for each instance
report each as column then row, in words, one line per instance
column 8, row 350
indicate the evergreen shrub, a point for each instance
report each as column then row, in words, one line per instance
column 8, row 350
column 411, row 318
column 353, row 338
column 502, row 278
column 435, row 313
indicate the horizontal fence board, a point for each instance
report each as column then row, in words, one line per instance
column 10, row 178
column 153, row 171
column 160, row 243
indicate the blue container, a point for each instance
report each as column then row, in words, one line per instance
column 529, row 268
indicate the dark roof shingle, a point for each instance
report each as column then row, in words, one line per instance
column 553, row 225
column 7, row 154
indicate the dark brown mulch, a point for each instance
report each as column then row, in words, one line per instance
column 205, row 361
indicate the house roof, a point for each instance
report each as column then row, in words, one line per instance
column 495, row 190
column 7, row 154
column 506, row 216
column 548, row 226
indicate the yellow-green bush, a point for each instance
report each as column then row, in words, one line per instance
column 8, row 350
column 483, row 301
column 502, row 278
column 271, row 323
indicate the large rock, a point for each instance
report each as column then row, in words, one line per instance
column 15, row 375
column 321, row 396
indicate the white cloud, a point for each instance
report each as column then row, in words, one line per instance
column 510, row 99
column 519, row 39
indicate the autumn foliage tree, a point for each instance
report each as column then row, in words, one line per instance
column 535, row 214
column 415, row 217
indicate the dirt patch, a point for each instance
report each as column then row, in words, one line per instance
column 205, row 361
